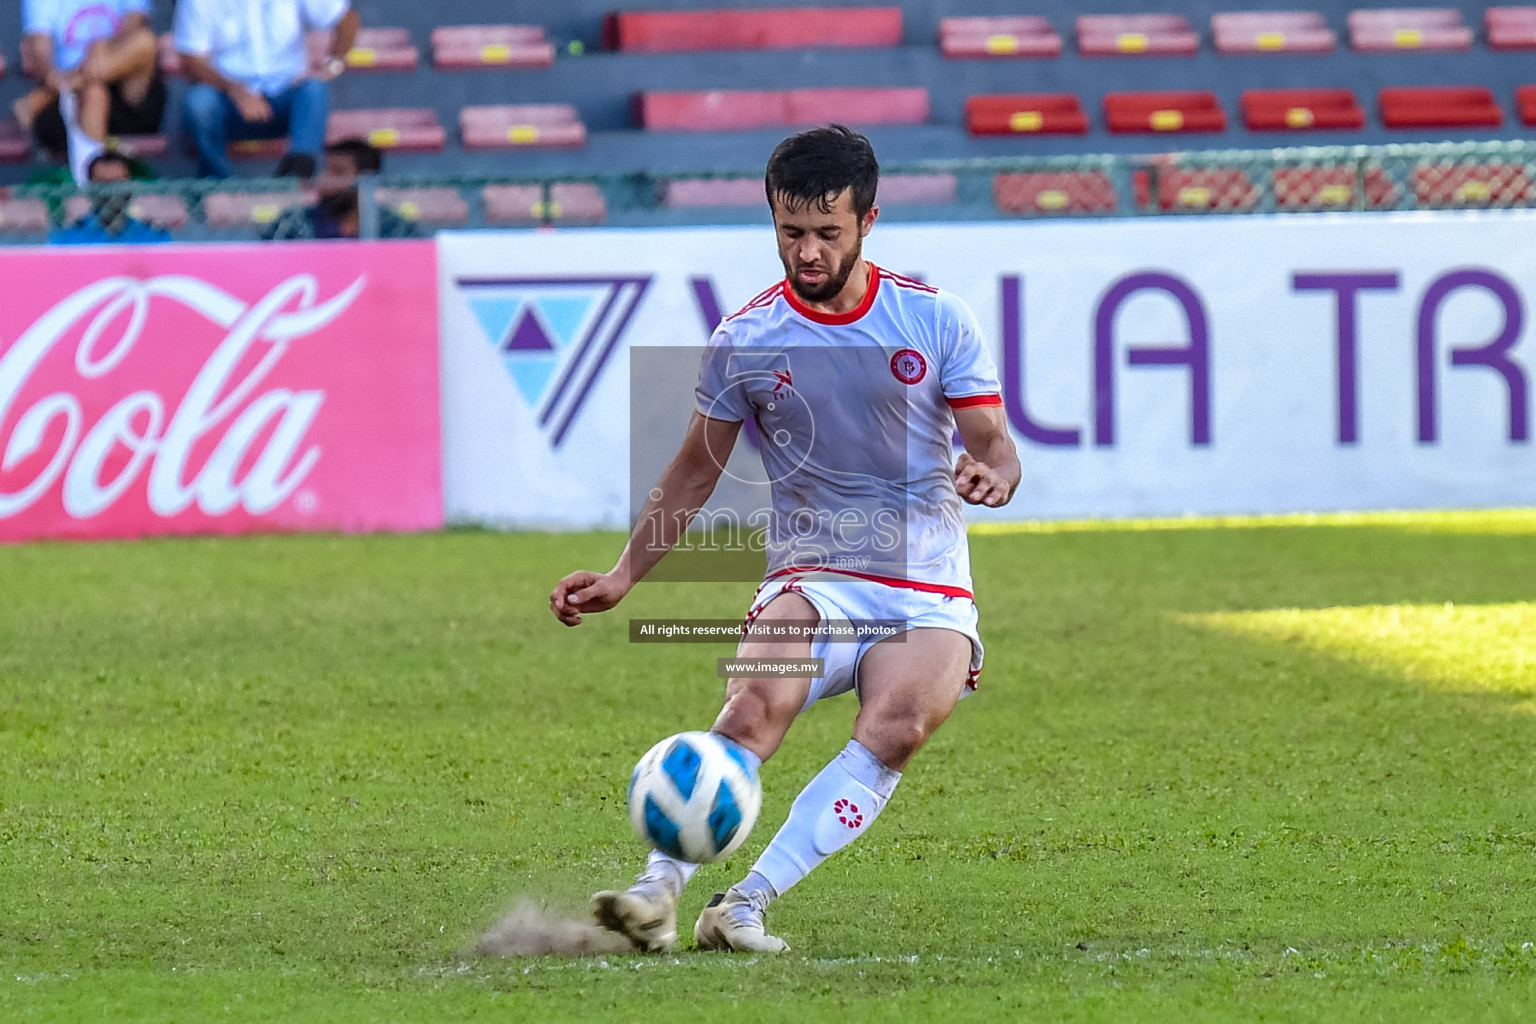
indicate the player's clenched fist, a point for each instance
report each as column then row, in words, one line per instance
column 978, row 483
column 585, row 591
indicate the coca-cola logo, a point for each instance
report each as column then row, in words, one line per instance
column 255, row 439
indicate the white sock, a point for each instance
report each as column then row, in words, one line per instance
column 671, row 872
column 836, row 808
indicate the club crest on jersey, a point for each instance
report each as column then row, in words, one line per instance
column 555, row 336
column 909, row 366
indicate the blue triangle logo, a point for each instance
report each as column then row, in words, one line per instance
column 555, row 336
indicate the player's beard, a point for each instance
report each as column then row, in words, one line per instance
column 837, row 277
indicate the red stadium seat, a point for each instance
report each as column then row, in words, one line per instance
column 1453, row 184
column 243, row 209
column 1054, row 192
column 857, row 106
column 258, row 149
column 679, row 193
column 1525, row 99
column 1248, row 32
column 931, row 189
column 1388, row 30
column 23, row 216
column 1331, row 188
column 491, row 46
column 772, row 29
column 714, row 111
column 731, row 110
column 1174, row 112
column 1511, row 28
column 1025, row 114
column 1224, row 189
column 409, row 129
column 523, row 205
column 1301, row 109
column 15, row 142
column 543, row 126
column 375, row 49
column 1440, row 107
column 1016, row 36
column 439, row 207
column 1116, row 35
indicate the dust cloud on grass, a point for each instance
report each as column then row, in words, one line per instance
column 533, row 929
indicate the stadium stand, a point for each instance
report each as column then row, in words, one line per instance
column 517, row 126
column 1029, row 113
column 1228, row 189
column 1174, row 111
column 560, row 46
column 163, row 210
column 410, row 129
column 23, row 215
column 771, row 29
column 1153, row 35
column 375, row 49
column 1301, row 109
column 1440, row 107
column 1510, row 28
column 681, row 193
column 461, row 47
column 522, row 205
column 1018, row 36
column 1525, row 102
column 1451, row 185
column 244, row 209
column 433, row 207
column 1408, row 28
column 1246, row 32
column 728, row 110
column 1048, row 192
column 15, row 145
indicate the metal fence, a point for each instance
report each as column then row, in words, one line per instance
column 1499, row 175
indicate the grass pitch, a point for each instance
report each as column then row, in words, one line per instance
column 1219, row 771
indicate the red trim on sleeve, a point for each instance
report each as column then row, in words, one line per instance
column 836, row 319
column 972, row 401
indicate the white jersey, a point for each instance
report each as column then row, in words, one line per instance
column 855, row 418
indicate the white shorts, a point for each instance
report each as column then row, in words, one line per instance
column 854, row 600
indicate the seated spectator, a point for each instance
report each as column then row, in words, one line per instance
column 102, row 54
column 109, row 221
column 248, row 66
column 336, row 215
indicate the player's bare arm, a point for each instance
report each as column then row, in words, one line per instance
column 685, row 485
column 988, row 471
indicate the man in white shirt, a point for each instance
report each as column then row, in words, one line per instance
column 248, row 66
column 98, row 58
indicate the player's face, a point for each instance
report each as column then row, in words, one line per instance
column 820, row 249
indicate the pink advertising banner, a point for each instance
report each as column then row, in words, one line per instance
column 221, row 389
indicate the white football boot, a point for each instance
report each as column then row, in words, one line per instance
column 645, row 913
column 732, row 921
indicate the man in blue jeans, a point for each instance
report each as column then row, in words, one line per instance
column 248, row 66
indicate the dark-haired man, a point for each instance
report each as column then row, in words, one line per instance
column 109, row 222
column 882, row 369
column 336, row 214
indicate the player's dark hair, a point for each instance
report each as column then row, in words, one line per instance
column 814, row 167
column 108, row 156
column 366, row 157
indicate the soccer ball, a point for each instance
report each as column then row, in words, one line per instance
column 694, row 797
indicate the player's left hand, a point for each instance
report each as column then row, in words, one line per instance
column 978, row 483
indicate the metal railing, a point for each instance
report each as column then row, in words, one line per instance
column 1430, row 176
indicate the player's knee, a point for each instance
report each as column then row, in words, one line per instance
column 896, row 736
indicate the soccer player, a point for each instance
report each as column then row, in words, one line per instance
column 933, row 374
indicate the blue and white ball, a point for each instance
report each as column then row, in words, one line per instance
column 694, row 796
